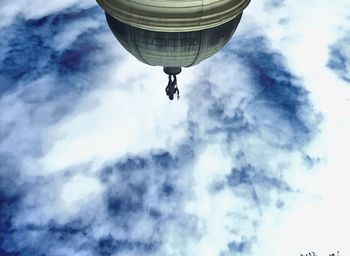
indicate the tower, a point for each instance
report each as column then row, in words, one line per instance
column 173, row 33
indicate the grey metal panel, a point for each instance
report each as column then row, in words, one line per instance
column 172, row 49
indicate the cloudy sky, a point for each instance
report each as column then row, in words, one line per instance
column 252, row 160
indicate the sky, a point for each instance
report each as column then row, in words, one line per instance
column 252, row 160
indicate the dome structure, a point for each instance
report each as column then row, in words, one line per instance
column 172, row 49
column 174, row 15
column 173, row 33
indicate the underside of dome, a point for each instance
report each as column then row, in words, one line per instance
column 174, row 15
column 172, row 49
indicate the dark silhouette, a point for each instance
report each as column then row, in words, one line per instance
column 172, row 89
column 309, row 254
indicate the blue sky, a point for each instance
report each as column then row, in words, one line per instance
column 252, row 160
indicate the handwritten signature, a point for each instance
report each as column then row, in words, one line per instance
column 314, row 254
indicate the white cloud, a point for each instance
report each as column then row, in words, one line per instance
column 35, row 9
column 115, row 120
column 78, row 190
column 127, row 114
column 316, row 221
column 72, row 31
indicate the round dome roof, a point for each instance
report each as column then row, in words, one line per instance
column 174, row 15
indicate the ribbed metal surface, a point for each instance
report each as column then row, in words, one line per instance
column 174, row 15
column 175, row 49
